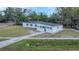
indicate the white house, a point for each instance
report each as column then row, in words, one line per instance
column 44, row 26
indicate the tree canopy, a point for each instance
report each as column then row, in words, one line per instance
column 68, row 16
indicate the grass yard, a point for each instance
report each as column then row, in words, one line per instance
column 13, row 31
column 43, row 45
column 3, row 39
column 64, row 33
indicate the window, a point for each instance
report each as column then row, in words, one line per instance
column 50, row 27
column 30, row 24
column 40, row 26
column 43, row 27
column 27, row 24
column 57, row 27
column 35, row 25
column 47, row 27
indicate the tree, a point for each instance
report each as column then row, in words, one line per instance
column 66, row 15
column 9, row 14
column 38, row 16
column 43, row 17
column 33, row 15
column 14, row 14
column 54, row 18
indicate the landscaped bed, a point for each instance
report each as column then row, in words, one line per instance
column 63, row 34
column 13, row 31
column 43, row 45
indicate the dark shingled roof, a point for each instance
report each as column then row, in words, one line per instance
column 45, row 23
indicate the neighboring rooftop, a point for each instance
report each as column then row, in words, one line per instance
column 46, row 23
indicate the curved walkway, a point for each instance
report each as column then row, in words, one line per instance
column 55, row 38
column 16, row 39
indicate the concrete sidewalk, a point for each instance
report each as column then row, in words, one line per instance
column 16, row 39
column 53, row 38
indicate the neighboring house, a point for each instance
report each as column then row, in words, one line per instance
column 44, row 26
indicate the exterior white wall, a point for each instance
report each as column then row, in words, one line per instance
column 24, row 24
column 57, row 28
column 53, row 29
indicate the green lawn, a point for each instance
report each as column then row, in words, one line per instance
column 43, row 45
column 12, row 31
column 64, row 33
column 3, row 39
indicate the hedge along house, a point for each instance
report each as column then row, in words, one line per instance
column 44, row 26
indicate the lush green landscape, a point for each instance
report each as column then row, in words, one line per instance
column 43, row 45
column 67, row 16
column 65, row 33
column 13, row 31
